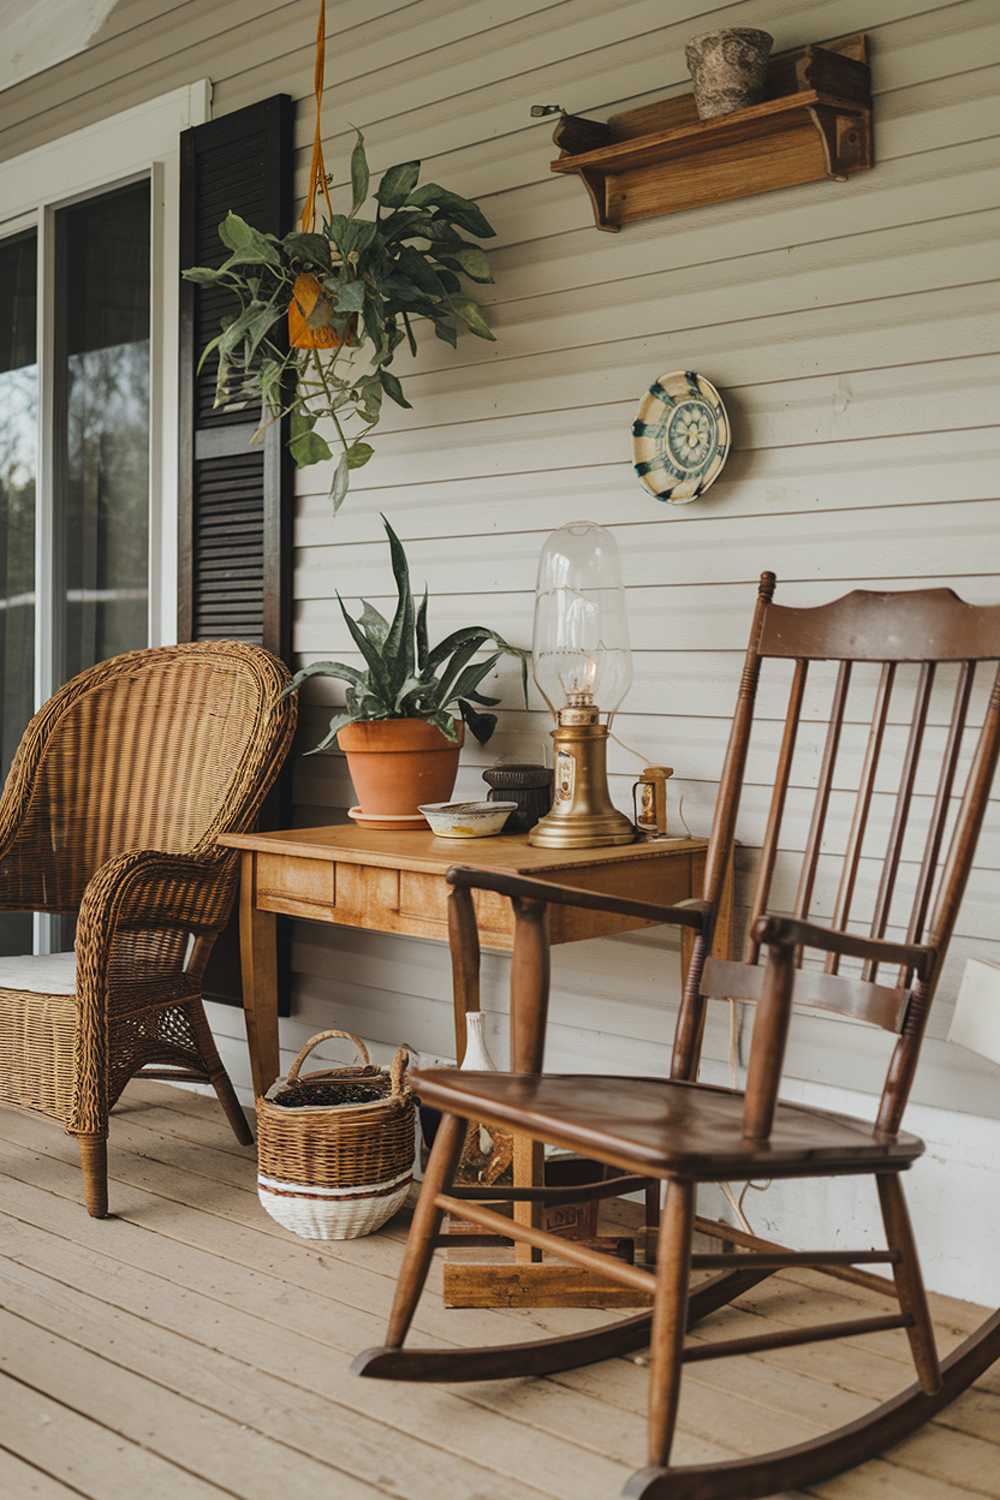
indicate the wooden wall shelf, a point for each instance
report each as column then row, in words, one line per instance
column 815, row 122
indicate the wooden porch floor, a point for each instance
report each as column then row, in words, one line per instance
column 189, row 1348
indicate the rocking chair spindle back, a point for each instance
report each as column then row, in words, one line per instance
column 685, row 1132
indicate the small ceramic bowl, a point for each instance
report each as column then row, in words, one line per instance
column 467, row 820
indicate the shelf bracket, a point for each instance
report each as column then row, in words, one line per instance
column 846, row 139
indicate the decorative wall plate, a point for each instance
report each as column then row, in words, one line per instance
column 681, row 437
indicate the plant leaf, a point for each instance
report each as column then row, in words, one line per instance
column 372, row 655
column 358, row 454
column 338, row 722
column 374, row 624
column 306, row 446
column 472, row 317
column 446, row 724
column 473, row 262
column 393, row 389
column 248, row 245
column 397, row 184
column 457, row 638
column 313, row 249
column 340, row 484
column 482, row 725
column 456, row 209
column 360, row 175
column 399, row 644
column 471, row 678
column 203, row 275
column 350, row 296
column 339, row 670
column 422, row 631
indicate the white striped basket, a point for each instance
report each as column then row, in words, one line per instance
column 332, row 1213
column 330, row 1171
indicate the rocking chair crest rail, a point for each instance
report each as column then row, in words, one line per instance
column 685, row 1132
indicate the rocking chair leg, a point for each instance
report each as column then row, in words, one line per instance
column 94, row 1162
column 426, row 1224
column 909, row 1282
column 669, row 1319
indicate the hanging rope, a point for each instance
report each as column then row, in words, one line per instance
column 317, row 169
column 310, row 312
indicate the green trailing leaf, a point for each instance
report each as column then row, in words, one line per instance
column 397, row 184
column 373, row 655
column 400, row 643
column 446, row 724
column 384, row 281
column 340, row 483
column 305, row 445
column 422, row 631
column 471, row 677
column 453, row 208
column 311, row 249
column 350, row 296
column 473, row 262
column 393, row 389
column 471, row 315
column 360, row 175
column 358, row 454
column 248, row 245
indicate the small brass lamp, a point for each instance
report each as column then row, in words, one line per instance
column 583, row 667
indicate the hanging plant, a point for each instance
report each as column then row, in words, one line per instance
column 349, row 296
column 321, row 312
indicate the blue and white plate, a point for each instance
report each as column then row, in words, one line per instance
column 681, row 437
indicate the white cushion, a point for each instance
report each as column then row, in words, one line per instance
column 39, row 973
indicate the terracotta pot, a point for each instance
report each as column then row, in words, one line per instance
column 396, row 764
column 729, row 69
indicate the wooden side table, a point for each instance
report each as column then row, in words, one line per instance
column 394, row 883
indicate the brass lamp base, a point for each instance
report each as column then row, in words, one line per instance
column 583, row 815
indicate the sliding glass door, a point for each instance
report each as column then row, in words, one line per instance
column 74, row 454
column 101, row 429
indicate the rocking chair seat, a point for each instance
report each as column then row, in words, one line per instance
column 664, row 1127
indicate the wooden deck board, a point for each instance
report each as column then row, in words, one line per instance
column 190, row 1340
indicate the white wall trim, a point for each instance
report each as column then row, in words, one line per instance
column 139, row 142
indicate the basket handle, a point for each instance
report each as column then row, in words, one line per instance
column 323, row 1036
column 404, row 1056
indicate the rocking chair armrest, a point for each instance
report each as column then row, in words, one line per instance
column 793, row 932
column 693, row 914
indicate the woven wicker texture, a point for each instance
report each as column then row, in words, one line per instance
column 112, row 807
column 332, row 1171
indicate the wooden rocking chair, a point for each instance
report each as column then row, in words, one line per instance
column 685, row 1132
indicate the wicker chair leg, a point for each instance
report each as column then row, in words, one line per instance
column 94, row 1161
column 217, row 1075
column 234, row 1110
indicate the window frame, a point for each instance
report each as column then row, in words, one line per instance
column 133, row 145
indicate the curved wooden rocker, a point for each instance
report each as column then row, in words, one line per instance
column 682, row 1132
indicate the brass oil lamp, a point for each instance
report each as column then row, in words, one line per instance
column 582, row 665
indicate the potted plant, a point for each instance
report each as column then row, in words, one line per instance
column 404, row 720
column 321, row 314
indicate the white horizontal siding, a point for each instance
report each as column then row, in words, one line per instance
column 854, row 329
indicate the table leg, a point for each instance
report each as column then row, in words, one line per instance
column 463, row 937
column 259, row 966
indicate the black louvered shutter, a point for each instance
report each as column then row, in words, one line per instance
column 235, row 500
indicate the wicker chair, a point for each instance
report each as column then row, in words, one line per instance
column 111, row 810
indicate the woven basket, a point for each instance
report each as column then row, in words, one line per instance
column 332, row 1171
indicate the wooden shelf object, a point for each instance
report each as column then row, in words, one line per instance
column 815, row 122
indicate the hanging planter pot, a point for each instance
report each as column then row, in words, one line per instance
column 312, row 320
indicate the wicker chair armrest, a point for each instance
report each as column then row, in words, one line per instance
column 138, row 914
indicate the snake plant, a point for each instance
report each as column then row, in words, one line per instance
column 407, row 678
